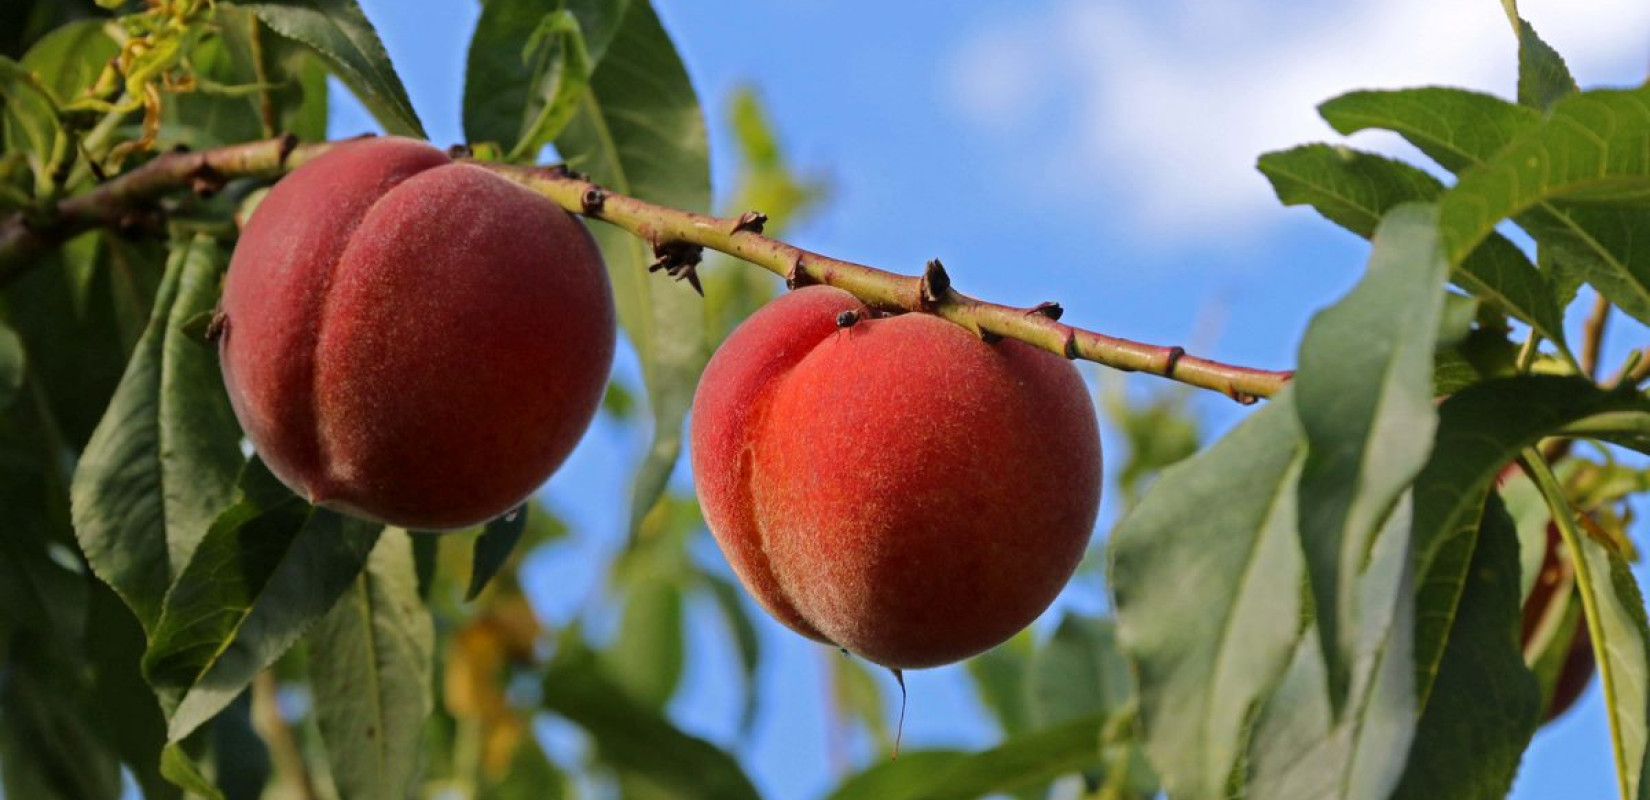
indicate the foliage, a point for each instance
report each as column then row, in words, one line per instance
column 1324, row 603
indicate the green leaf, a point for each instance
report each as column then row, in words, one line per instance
column 1223, row 522
column 531, row 776
column 13, row 365
column 648, row 656
column 1621, row 635
column 370, row 664
column 1485, row 703
column 1543, row 77
column 31, row 122
column 182, row 771
column 1592, row 146
column 1363, row 393
column 161, row 464
column 493, row 547
column 1457, row 128
column 1480, row 431
column 1025, row 761
column 856, row 694
column 1002, row 682
column 341, row 36
column 635, row 739
column 730, row 601
column 1079, row 671
column 270, row 566
column 1300, row 749
column 131, row 715
column 1355, row 189
column 238, row 98
column 639, row 131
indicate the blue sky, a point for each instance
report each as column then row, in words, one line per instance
column 1096, row 153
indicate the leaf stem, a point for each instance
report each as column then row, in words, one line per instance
column 1592, row 333
column 675, row 235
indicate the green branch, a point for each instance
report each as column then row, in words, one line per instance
column 677, row 237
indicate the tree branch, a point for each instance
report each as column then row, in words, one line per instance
column 675, row 236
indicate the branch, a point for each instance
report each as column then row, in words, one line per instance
column 676, row 236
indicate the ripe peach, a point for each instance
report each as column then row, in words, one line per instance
column 897, row 487
column 413, row 340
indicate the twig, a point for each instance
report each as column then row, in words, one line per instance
column 669, row 231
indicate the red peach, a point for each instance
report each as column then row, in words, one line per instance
column 413, row 340
column 897, row 487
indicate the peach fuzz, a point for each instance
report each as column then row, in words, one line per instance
column 896, row 487
column 413, row 340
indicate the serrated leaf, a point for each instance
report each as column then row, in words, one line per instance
column 1616, row 621
column 370, row 664
column 1363, row 394
column 1028, row 760
column 269, row 567
column 1593, row 146
column 1458, row 128
column 1543, row 77
column 1485, row 703
column 341, row 36
column 161, row 464
column 645, row 137
column 493, row 547
column 1224, row 522
column 1355, row 189
column 635, row 739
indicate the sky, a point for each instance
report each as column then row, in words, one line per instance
column 1096, row 153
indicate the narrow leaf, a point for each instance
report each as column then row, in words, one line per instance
column 493, row 547
column 1025, row 761
column 1543, row 77
column 1457, row 128
column 640, row 131
column 638, row 740
column 161, row 464
column 1615, row 612
column 181, row 770
column 370, row 662
column 13, row 365
column 1485, row 702
column 1355, row 189
column 270, row 566
column 1363, row 393
column 341, row 35
column 1224, row 522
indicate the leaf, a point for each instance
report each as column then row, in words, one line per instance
column 13, row 365
column 130, row 715
column 531, row 776
column 1616, row 621
column 1543, row 77
column 1002, row 683
column 856, row 695
column 1025, row 761
column 640, row 132
column 31, row 122
column 1300, row 749
column 1079, row 671
column 370, row 664
column 1592, row 146
column 635, row 739
column 1355, row 189
column 252, row 84
column 343, row 37
column 270, row 566
column 730, row 601
column 647, row 657
column 182, row 771
column 1223, row 522
column 1480, row 431
column 1363, row 393
column 493, row 547
column 161, row 464
column 50, row 744
column 1457, row 128
column 1485, row 702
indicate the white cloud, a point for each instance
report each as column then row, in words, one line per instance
column 1169, row 104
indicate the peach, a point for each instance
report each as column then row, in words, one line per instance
column 896, row 487
column 413, row 340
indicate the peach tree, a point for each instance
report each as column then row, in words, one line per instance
column 273, row 407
